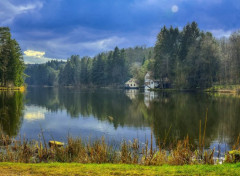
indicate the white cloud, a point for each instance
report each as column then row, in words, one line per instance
column 36, row 57
column 103, row 44
column 8, row 11
column 174, row 8
column 33, row 53
column 64, row 45
column 218, row 33
column 80, row 41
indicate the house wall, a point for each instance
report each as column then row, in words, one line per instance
column 131, row 84
column 149, row 84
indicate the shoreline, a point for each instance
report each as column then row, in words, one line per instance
column 228, row 89
column 22, row 88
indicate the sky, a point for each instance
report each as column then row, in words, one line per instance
column 57, row 29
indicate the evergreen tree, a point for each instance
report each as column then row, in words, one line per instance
column 11, row 60
column 203, row 62
column 98, row 72
column 70, row 74
column 166, row 53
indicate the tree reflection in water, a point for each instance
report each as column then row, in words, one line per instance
column 160, row 111
column 11, row 112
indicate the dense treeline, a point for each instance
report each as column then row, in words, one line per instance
column 11, row 60
column 110, row 68
column 44, row 74
column 195, row 59
column 187, row 58
column 230, row 59
column 104, row 69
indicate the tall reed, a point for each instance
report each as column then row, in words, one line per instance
column 98, row 151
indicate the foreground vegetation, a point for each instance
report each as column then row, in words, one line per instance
column 98, row 151
column 115, row 169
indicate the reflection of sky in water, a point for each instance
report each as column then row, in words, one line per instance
column 58, row 125
column 220, row 148
column 33, row 113
column 134, row 114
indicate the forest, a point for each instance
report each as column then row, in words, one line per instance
column 11, row 60
column 189, row 58
column 107, row 68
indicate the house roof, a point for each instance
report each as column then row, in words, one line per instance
column 132, row 80
column 149, row 75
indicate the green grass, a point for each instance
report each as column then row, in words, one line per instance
column 115, row 169
column 224, row 88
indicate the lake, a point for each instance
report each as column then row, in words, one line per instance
column 120, row 114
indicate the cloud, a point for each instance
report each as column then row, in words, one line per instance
column 36, row 57
column 218, row 33
column 9, row 11
column 60, row 28
column 103, row 44
column 65, row 46
column 33, row 53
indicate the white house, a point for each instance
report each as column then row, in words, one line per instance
column 150, row 82
column 131, row 84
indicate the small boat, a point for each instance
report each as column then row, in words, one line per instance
column 55, row 144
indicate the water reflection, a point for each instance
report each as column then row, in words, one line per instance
column 33, row 113
column 149, row 96
column 124, row 110
column 11, row 112
column 121, row 114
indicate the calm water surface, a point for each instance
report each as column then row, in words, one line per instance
column 120, row 114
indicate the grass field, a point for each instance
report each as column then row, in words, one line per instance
column 11, row 169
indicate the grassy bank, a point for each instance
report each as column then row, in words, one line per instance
column 224, row 89
column 22, row 88
column 115, row 169
column 233, row 89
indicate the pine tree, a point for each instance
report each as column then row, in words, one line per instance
column 11, row 60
